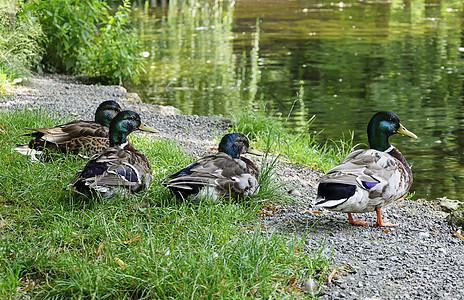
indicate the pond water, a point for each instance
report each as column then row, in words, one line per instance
column 339, row 61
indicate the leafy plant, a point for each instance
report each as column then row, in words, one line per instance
column 83, row 37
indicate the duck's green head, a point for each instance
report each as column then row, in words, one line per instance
column 122, row 125
column 106, row 111
column 236, row 144
column 381, row 126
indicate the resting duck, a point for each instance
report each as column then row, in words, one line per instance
column 224, row 174
column 119, row 168
column 76, row 137
column 367, row 180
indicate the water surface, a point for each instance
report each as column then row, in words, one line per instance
column 339, row 61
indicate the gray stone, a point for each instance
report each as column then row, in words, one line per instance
column 449, row 205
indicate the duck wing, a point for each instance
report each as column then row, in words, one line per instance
column 65, row 132
column 115, row 167
column 364, row 180
column 217, row 175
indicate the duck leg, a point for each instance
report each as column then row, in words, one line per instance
column 379, row 219
column 350, row 219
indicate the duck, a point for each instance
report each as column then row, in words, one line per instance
column 79, row 137
column 119, row 169
column 369, row 179
column 222, row 175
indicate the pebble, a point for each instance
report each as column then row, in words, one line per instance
column 295, row 193
column 310, row 285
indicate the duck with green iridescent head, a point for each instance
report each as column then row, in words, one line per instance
column 120, row 168
column 225, row 174
column 75, row 137
column 367, row 180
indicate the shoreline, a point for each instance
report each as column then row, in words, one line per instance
column 422, row 258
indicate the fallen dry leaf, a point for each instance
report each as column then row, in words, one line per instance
column 386, row 231
column 3, row 223
column 331, row 275
column 29, row 286
column 287, row 222
column 100, row 249
column 120, row 262
column 249, row 227
column 252, row 292
column 274, row 209
column 131, row 240
column 459, row 235
column 265, row 213
column 316, row 212
column 1, row 128
column 291, row 281
column 436, row 231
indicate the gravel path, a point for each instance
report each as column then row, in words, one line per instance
column 422, row 258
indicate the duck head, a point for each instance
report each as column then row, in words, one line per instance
column 123, row 124
column 106, row 111
column 236, row 144
column 381, row 126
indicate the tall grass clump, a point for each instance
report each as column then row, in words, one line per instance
column 298, row 147
column 144, row 247
column 20, row 50
column 85, row 38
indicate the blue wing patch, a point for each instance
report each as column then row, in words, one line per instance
column 127, row 173
column 368, row 184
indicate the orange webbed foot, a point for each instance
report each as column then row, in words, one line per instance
column 352, row 221
column 379, row 220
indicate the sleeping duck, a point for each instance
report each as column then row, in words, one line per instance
column 84, row 138
column 120, row 168
column 224, row 174
column 367, row 180
column 73, row 137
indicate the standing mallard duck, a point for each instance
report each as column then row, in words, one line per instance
column 223, row 174
column 367, row 180
column 74, row 137
column 120, row 167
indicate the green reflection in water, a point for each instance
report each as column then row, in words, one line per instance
column 339, row 61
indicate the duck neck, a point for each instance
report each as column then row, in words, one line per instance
column 378, row 140
column 399, row 156
column 128, row 146
column 117, row 138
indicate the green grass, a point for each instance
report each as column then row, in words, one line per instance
column 301, row 147
column 54, row 245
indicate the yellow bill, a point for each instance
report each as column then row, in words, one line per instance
column 147, row 128
column 402, row 130
column 252, row 150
